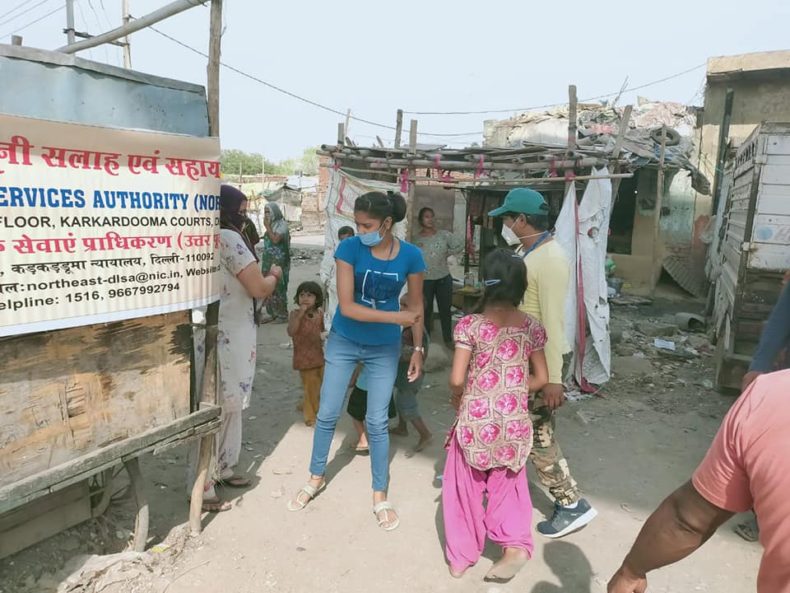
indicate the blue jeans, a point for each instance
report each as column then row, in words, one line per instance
column 381, row 366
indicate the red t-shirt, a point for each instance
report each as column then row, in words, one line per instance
column 748, row 466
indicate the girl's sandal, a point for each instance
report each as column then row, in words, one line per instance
column 307, row 493
column 235, row 481
column 384, row 522
column 216, row 505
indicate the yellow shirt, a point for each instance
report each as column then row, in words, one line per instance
column 548, row 273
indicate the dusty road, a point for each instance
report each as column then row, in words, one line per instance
column 627, row 450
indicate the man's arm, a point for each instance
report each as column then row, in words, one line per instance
column 552, row 292
column 680, row 525
column 775, row 336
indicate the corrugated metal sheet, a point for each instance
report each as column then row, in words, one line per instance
column 680, row 269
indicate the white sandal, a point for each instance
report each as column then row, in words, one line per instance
column 311, row 491
column 385, row 507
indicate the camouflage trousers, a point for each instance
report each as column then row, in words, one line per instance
column 547, row 456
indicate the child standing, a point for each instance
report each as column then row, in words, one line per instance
column 305, row 326
column 498, row 361
column 358, row 409
column 405, row 395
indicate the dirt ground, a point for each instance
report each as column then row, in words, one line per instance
column 627, row 449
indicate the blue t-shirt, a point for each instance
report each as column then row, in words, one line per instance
column 377, row 284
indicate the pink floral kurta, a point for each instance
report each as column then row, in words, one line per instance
column 493, row 427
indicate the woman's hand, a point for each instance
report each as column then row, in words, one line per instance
column 415, row 366
column 407, row 318
column 455, row 397
column 276, row 271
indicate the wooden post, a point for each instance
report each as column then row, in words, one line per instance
column 572, row 128
column 618, row 146
column 209, row 384
column 657, row 250
column 341, row 134
column 348, row 120
column 398, row 128
column 16, row 40
column 412, row 210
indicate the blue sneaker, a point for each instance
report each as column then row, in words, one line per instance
column 566, row 520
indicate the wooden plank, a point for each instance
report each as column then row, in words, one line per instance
column 773, row 199
column 776, row 174
column 65, row 394
column 774, row 258
column 67, row 473
column 24, row 513
column 44, row 518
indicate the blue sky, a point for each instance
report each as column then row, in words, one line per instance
column 435, row 55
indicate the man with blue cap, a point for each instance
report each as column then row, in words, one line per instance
column 525, row 223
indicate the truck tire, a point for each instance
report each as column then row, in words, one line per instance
column 673, row 137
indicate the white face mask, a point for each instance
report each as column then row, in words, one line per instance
column 509, row 235
column 511, row 238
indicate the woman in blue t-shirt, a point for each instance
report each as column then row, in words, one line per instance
column 372, row 269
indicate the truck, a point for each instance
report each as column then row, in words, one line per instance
column 750, row 253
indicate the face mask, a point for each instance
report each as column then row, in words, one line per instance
column 509, row 236
column 371, row 239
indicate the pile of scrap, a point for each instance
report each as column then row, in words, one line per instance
column 599, row 129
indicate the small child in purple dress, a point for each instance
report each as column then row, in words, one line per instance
column 498, row 361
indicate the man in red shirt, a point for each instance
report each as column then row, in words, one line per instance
column 747, row 466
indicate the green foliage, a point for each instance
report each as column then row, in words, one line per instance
column 234, row 161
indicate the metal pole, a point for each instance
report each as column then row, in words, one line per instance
column 127, row 48
column 70, row 21
column 161, row 14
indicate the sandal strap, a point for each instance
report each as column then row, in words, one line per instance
column 311, row 491
column 383, row 506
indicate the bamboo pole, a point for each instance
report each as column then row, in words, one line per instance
column 398, row 127
column 618, row 146
column 384, row 163
column 657, row 213
column 209, row 384
column 412, row 211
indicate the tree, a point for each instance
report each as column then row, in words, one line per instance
column 234, row 161
column 310, row 161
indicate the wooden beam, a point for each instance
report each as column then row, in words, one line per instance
column 348, row 121
column 413, row 137
column 84, row 467
column 398, row 127
column 618, row 146
column 423, row 162
column 572, row 126
column 16, row 40
column 214, row 55
column 209, row 384
column 657, row 250
column 341, row 134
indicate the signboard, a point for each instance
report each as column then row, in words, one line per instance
column 100, row 224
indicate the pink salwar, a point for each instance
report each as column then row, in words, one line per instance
column 506, row 519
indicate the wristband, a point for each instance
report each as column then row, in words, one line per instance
column 420, row 349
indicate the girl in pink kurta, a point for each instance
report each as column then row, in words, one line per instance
column 498, row 361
